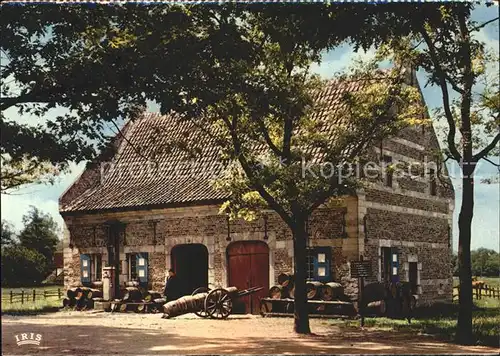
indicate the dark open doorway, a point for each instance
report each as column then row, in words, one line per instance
column 190, row 263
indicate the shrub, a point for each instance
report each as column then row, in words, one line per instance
column 22, row 266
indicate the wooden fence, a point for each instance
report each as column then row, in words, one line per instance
column 31, row 295
column 480, row 292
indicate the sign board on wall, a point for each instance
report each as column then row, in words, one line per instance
column 361, row 269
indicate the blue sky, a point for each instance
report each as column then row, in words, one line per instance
column 486, row 229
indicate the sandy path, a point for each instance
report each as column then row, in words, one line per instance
column 86, row 333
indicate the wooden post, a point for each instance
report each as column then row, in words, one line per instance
column 361, row 283
column 11, row 296
column 22, row 296
column 59, row 292
column 34, row 294
column 44, row 294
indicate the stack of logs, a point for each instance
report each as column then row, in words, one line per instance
column 315, row 290
column 81, row 298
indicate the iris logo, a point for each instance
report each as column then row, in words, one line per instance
column 28, row 339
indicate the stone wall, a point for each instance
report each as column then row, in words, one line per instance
column 158, row 231
column 407, row 217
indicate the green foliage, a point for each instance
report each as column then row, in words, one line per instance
column 22, row 266
column 485, row 262
column 8, row 234
column 39, row 233
column 27, row 257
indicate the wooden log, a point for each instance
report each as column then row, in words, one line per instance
column 132, row 294
column 185, row 305
column 285, row 279
column 277, row 292
column 313, row 289
column 331, row 291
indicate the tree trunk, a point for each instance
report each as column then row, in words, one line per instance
column 299, row 252
column 464, row 327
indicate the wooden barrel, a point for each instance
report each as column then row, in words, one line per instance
column 313, row 289
column 185, row 305
column 71, row 292
column 89, row 303
column 132, row 294
column 140, row 308
column 82, row 293
column 276, row 292
column 81, row 304
column 151, row 295
column 377, row 308
column 285, row 279
column 331, row 291
column 132, row 284
column 94, row 293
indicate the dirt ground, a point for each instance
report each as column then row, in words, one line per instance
column 86, row 333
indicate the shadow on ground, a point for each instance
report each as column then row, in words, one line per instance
column 73, row 339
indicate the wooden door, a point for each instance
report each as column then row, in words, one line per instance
column 248, row 266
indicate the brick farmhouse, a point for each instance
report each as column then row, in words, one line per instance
column 122, row 212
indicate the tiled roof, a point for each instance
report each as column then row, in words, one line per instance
column 170, row 177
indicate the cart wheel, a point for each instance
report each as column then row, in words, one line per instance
column 201, row 313
column 218, row 304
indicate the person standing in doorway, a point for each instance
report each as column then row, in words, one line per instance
column 172, row 289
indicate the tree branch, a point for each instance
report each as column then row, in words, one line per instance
column 446, row 99
column 490, row 161
column 484, row 24
column 232, row 127
column 484, row 152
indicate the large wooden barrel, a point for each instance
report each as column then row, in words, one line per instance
column 285, row 279
column 331, row 291
column 276, row 292
column 82, row 293
column 132, row 284
column 132, row 294
column 376, row 308
column 66, row 302
column 93, row 293
column 151, row 295
column 185, row 305
column 313, row 289
column 71, row 292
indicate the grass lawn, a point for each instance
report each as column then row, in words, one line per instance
column 441, row 321
column 41, row 304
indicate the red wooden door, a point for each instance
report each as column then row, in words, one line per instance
column 248, row 266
